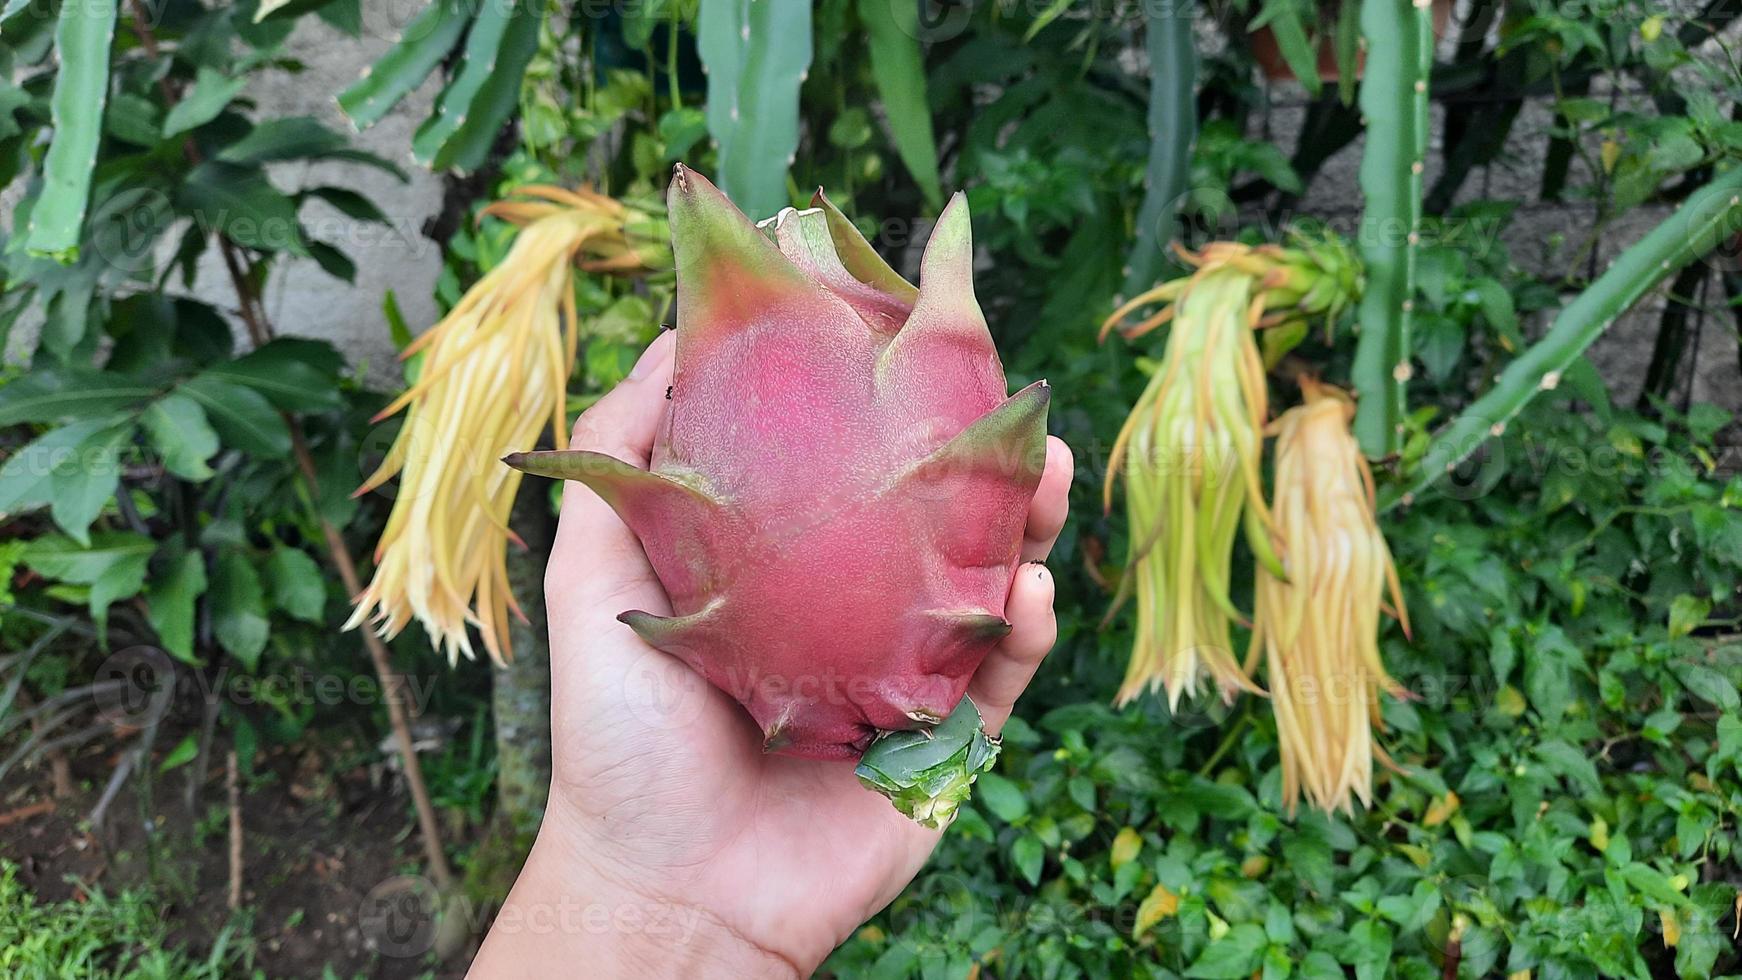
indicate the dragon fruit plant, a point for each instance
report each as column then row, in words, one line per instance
column 837, row 494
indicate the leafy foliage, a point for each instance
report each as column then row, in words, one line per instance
column 1569, row 770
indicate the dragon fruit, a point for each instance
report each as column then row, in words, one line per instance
column 838, row 493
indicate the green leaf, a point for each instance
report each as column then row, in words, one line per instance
column 1003, row 797
column 82, row 39
column 1704, row 420
column 244, row 419
column 348, row 203
column 1413, row 911
column 54, row 395
column 1232, row 957
column 1439, row 343
column 170, row 603
column 1687, row 613
column 1372, row 942
column 483, row 91
column 266, row 8
column 333, row 262
column 27, row 478
column 239, row 201
column 181, row 755
column 1499, row 310
column 1548, row 674
column 88, row 479
column 1287, row 23
column 132, row 119
column 1320, row 965
column 1502, row 654
column 426, row 41
column 756, row 55
column 1029, row 854
column 400, row 332
column 1570, row 761
column 239, row 608
column 299, row 138
column 12, row 98
column 680, row 129
column 1652, row 883
column 113, row 566
column 1707, row 683
column 72, row 470
column 297, row 585
column 1311, row 861
column 1051, row 12
column 212, row 91
column 178, row 430
column 1730, row 737
column 295, row 375
column 898, row 68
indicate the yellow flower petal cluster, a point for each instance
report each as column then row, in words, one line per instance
column 1190, row 456
column 494, row 373
column 1318, row 630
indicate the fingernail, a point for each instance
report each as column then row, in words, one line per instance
column 652, row 357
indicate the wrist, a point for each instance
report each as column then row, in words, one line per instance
column 569, row 914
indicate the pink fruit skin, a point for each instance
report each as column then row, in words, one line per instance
column 838, row 494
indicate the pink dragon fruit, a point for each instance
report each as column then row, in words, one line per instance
column 838, row 495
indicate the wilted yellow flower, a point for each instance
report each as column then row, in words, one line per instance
column 1189, row 453
column 1319, row 629
column 495, row 372
column 1191, row 448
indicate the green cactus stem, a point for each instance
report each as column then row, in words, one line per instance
column 1709, row 216
column 426, row 41
column 1173, row 127
column 484, row 90
column 1394, row 89
column 82, row 37
column 756, row 56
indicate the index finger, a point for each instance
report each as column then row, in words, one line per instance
column 1051, row 503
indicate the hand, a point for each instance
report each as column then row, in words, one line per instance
column 663, row 805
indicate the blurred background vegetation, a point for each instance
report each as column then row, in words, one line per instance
column 199, row 773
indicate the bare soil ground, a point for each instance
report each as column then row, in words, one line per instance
column 328, row 870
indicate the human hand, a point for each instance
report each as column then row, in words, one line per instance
column 663, row 805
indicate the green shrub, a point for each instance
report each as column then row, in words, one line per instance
column 1572, row 770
